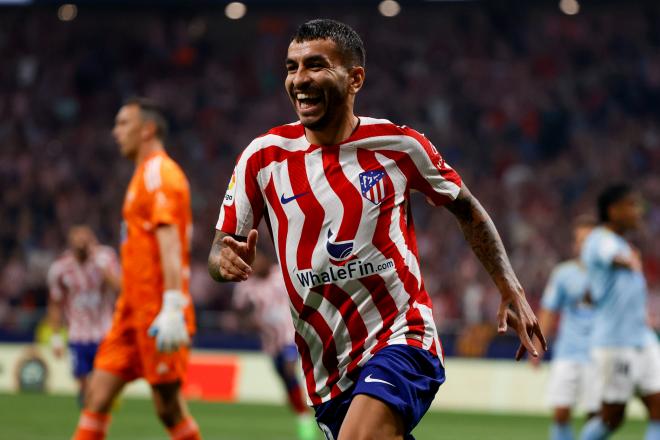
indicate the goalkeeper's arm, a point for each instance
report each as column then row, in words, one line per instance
column 169, row 327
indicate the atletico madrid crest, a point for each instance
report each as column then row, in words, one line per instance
column 372, row 186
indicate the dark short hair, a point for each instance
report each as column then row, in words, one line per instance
column 150, row 110
column 347, row 40
column 609, row 196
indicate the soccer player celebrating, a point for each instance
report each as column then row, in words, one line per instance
column 83, row 283
column 624, row 347
column 571, row 375
column 263, row 298
column 154, row 317
column 335, row 190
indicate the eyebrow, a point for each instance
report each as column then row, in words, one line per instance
column 309, row 59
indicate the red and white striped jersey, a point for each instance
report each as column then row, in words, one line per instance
column 86, row 300
column 267, row 300
column 345, row 240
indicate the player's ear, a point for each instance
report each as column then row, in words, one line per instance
column 355, row 79
column 149, row 129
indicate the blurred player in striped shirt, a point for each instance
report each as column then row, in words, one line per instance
column 83, row 284
column 335, row 190
column 264, row 300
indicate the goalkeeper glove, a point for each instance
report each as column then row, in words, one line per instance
column 169, row 327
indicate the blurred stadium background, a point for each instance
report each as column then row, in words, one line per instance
column 537, row 104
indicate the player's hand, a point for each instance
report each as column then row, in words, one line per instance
column 516, row 313
column 57, row 344
column 535, row 361
column 236, row 257
column 169, row 327
column 636, row 263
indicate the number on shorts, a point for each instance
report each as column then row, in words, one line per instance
column 622, row 368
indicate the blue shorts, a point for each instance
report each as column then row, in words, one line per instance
column 82, row 357
column 404, row 377
column 288, row 354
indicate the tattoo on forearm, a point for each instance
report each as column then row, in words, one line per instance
column 214, row 258
column 481, row 234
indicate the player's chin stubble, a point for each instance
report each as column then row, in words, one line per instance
column 334, row 101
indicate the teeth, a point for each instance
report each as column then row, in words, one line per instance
column 304, row 96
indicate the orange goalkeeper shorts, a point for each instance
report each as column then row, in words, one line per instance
column 130, row 353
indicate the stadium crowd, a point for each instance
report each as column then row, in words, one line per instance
column 536, row 110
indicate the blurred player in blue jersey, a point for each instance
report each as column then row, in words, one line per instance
column 566, row 301
column 264, row 303
column 624, row 348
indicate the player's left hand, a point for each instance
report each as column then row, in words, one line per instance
column 169, row 327
column 515, row 312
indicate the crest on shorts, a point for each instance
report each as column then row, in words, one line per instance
column 372, row 186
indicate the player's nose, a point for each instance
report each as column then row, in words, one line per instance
column 300, row 78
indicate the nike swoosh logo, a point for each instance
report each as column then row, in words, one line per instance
column 370, row 379
column 286, row 200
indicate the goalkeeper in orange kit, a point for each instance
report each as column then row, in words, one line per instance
column 154, row 318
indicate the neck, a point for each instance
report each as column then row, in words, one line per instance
column 147, row 149
column 620, row 230
column 334, row 133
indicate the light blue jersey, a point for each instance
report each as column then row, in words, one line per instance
column 566, row 294
column 619, row 294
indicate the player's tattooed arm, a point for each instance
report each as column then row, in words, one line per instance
column 485, row 241
column 231, row 256
column 482, row 236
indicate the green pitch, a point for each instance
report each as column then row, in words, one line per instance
column 39, row 417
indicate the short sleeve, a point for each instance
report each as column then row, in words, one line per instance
column 55, row 287
column 429, row 173
column 243, row 203
column 600, row 249
column 553, row 293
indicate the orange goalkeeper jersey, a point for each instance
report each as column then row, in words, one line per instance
column 158, row 194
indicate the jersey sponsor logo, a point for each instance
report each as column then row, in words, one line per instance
column 352, row 270
column 372, row 186
column 341, row 252
column 286, row 200
column 231, row 190
column 370, row 379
